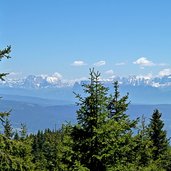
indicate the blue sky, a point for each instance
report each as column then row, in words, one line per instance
column 117, row 37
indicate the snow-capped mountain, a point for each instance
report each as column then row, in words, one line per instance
column 158, row 89
column 164, row 81
column 32, row 81
column 157, row 82
column 56, row 81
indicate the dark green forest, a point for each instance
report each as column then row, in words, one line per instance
column 104, row 138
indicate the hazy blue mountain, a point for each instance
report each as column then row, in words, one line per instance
column 61, row 94
column 141, row 90
column 35, row 100
column 43, row 102
column 64, row 95
column 38, row 116
column 139, row 94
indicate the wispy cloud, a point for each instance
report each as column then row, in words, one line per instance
column 146, row 77
column 120, row 64
column 73, row 81
column 143, row 62
column 14, row 75
column 100, row 63
column 109, row 72
column 78, row 63
column 162, row 64
column 165, row 72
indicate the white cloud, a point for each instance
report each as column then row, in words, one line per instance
column 100, row 63
column 146, row 77
column 14, row 75
column 165, row 72
column 143, row 62
column 120, row 64
column 78, row 63
column 109, row 72
column 78, row 80
column 56, row 77
column 162, row 64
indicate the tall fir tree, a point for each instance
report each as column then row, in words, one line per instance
column 14, row 155
column 158, row 135
column 23, row 131
column 103, row 138
column 8, row 131
column 142, row 149
column 118, row 105
column 16, row 136
column 93, row 112
column 120, row 132
column 4, row 54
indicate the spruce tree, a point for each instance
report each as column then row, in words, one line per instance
column 118, row 105
column 14, row 155
column 23, row 131
column 92, row 115
column 8, row 131
column 4, row 54
column 120, row 132
column 142, row 149
column 158, row 135
column 16, row 136
column 103, row 137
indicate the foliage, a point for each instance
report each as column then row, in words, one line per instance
column 4, row 54
column 158, row 135
column 88, row 135
column 15, row 155
column 8, row 131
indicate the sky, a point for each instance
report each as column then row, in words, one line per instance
column 68, row 37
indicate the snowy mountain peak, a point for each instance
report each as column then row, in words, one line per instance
column 56, row 81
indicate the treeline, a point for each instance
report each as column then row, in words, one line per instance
column 104, row 138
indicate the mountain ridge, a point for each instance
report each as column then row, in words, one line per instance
column 37, row 116
column 56, row 81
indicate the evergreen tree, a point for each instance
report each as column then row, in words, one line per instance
column 103, row 138
column 23, row 131
column 16, row 136
column 92, row 115
column 4, row 54
column 118, row 105
column 142, row 149
column 157, row 135
column 15, row 155
column 8, row 131
column 119, row 132
column 65, row 151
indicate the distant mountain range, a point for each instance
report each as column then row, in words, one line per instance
column 55, row 81
column 42, row 113
column 142, row 90
column 47, row 102
column 33, row 81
